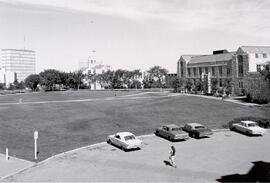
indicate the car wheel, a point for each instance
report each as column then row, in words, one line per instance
column 232, row 128
column 194, row 135
column 109, row 141
column 122, row 148
column 247, row 133
column 170, row 138
column 157, row 134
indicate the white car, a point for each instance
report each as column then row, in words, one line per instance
column 248, row 127
column 124, row 140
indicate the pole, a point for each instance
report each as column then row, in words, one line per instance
column 35, row 149
column 7, row 157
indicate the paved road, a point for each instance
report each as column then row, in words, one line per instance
column 203, row 160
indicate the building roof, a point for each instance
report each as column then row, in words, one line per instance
column 188, row 57
column 212, row 58
column 255, row 49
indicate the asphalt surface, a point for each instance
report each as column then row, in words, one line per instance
column 224, row 156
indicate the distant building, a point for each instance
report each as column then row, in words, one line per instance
column 20, row 61
column 224, row 65
column 93, row 67
column 7, row 77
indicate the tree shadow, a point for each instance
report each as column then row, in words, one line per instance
column 260, row 172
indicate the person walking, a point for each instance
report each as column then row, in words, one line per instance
column 172, row 156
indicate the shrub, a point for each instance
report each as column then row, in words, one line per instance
column 263, row 122
column 257, row 88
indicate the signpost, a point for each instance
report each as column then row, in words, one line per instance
column 35, row 138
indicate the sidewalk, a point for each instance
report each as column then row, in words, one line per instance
column 232, row 99
column 13, row 165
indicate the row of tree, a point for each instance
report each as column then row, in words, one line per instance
column 52, row 79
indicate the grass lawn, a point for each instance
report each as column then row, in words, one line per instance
column 66, row 126
column 63, row 95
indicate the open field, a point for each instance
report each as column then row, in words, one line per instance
column 63, row 95
column 64, row 126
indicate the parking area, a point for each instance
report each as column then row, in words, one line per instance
column 224, row 156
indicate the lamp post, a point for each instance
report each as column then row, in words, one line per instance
column 35, row 139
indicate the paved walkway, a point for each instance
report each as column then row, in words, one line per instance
column 13, row 165
column 224, row 155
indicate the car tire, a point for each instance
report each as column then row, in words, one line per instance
column 109, row 141
column 170, row 138
column 232, row 128
column 247, row 133
column 193, row 135
column 123, row 149
column 157, row 134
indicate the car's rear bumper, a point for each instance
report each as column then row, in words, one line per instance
column 137, row 146
column 181, row 137
column 205, row 134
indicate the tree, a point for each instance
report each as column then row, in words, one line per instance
column 2, row 86
column 32, row 81
column 189, row 84
column 157, row 76
column 177, row 84
column 49, row 78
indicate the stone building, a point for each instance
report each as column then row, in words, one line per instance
column 225, row 66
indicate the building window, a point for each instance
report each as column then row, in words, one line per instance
column 264, row 55
column 194, row 72
column 206, row 70
column 200, row 71
column 240, row 66
column 213, row 71
column 220, row 70
column 256, row 55
column 188, row 72
column 240, row 84
column 182, row 69
column 220, row 83
column 228, row 71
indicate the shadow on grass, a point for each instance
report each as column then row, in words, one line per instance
column 260, row 172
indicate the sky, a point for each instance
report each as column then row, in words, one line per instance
column 130, row 34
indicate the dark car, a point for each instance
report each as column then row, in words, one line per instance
column 172, row 132
column 197, row 130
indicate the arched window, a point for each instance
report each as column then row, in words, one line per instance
column 240, row 65
column 182, row 69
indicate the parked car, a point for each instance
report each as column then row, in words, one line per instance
column 124, row 140
column 197, row 130
column 172, row 132
column 248, row 127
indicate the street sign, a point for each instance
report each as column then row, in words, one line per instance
column 36, row 135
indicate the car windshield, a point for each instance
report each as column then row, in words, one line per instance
column 252, row 125
column 176, row 129
column 199, row 127
column 129, row 137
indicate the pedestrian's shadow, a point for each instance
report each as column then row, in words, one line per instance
column 166, row 162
